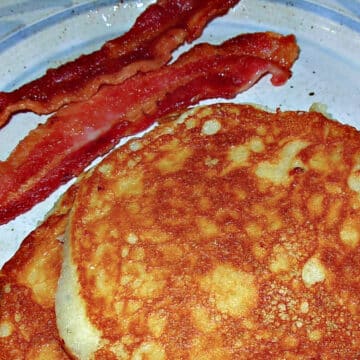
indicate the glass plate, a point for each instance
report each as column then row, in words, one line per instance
column 37, row 35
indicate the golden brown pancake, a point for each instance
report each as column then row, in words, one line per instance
column 231, row 233
column 27, row 292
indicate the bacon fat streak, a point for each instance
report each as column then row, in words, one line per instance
column 160, row 29
column 61, row 148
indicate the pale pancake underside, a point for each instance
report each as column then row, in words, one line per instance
column 231, row 233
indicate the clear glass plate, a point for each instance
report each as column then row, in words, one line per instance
column 37, row 35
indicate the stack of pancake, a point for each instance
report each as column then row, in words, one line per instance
column 227, row 232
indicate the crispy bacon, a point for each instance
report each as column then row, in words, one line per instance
column 146, row 46
column 61, row 148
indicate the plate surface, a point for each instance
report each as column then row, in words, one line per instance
column 37, row 35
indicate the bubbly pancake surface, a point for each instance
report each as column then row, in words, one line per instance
column 28, row 283
column 231, row 233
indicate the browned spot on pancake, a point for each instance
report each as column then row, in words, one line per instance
column 280, row 261
column 174, row 157
column 203, row 320
column 350, row 232
column 277, row 172
column 156, row 323
column 313, row 272
column 234, row 292
column 353, row 180
column 150, row 351
column 142, row 283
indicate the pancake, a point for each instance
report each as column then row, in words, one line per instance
column 229, row 233
column 27, row 291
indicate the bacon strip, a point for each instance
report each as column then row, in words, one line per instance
column 61, row 148
column 146, row 46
